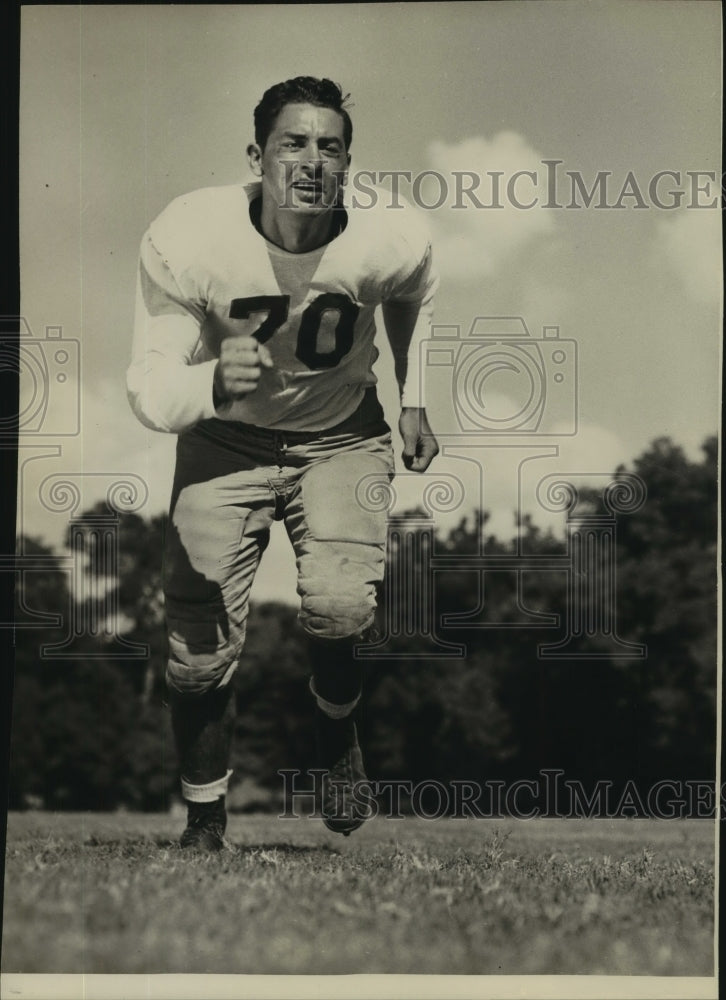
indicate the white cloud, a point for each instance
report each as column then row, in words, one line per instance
column 689, row 244
column 473, row 241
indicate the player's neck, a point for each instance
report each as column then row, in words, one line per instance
column 295, row 232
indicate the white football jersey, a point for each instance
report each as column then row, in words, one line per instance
column 206, row 273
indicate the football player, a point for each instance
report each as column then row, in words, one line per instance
column 254, row 343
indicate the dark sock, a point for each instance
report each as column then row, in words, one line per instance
column 203, row 726
column 337, row 675
column 334, row 737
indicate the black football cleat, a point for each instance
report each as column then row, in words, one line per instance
column 206, row 823
column 344, row 805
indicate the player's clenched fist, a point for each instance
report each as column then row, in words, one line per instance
column 241, row 360
column 420, row 447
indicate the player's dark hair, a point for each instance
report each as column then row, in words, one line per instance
column 301, row 90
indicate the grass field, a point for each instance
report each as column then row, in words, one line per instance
column 107, row 893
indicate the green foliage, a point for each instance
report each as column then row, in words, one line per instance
column 92, row 732
column 89, row 732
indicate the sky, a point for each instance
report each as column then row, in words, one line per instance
column 124, row 108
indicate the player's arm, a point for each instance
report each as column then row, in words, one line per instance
column 407, row 315
column 167, row 391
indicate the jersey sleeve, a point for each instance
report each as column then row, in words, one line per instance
column 407, row 315
column 167, row 391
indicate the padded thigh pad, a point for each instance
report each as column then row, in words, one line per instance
column 338, row 499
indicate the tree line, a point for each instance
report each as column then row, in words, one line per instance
column 93, row 732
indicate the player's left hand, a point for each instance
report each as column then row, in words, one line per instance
column 420, row 447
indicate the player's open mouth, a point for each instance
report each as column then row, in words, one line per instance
column 308, row 187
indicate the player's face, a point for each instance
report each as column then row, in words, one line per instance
column 304, row 162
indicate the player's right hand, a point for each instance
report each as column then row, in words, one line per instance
column 241, row 360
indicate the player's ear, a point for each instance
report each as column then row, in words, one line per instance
column 254, row 158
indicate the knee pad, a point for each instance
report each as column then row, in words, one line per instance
column 203, row 654
column 338, row 601
column 201, row 674
column 328, row 619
